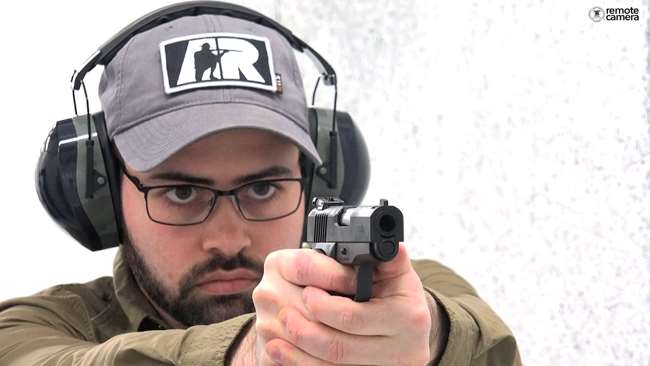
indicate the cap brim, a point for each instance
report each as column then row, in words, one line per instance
column 145, row 146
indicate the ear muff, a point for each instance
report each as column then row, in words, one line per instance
column 77, row 182
column 345, row 172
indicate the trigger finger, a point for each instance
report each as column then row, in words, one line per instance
column 310, row 268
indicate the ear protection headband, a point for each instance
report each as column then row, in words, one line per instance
column 78, row 177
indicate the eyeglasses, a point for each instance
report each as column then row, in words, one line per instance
column 187, row 204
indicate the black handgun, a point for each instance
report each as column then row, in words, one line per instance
column 362, row 236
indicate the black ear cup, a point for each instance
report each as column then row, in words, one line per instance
column 74, row 184
column 348, row 155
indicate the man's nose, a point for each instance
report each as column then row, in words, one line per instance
column 225, row 229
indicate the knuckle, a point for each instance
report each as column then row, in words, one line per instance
column 269, row 264
column 303, row 267
column 276, row 258
column 271, row 260
column 419, row 318
column 265, row 330
column 335, row 350
column 260, row 294
column 351, row 283
column 330, row 280
column 263, row 297
column 338, row 281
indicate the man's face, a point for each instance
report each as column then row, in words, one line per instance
column 205, row 273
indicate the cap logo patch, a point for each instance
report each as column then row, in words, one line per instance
column 217, row 60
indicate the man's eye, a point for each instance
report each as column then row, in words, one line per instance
column 181, row 195
column 261, row 190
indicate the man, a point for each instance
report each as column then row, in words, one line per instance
column 206, row 59
column 213, row 203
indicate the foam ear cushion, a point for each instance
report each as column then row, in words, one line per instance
column 113, row 173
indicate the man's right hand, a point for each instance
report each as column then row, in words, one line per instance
column 286, row 272
column 299, row 323
column 275, row 293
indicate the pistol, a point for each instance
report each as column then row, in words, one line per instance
column 361, row 236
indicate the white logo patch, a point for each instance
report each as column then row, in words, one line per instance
column 215, row 60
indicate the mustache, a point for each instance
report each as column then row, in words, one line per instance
column 217, row 262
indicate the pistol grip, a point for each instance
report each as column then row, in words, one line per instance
column 364, row 282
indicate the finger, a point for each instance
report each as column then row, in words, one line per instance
column 333, row 346
column 377, row 317
column 309, row 268
column 270, row 296
column 397, row 278
column 396, row 267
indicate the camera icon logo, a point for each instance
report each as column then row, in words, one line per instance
column 597, row 14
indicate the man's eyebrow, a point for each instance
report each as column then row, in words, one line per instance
column 273, row 171
column 183, row 177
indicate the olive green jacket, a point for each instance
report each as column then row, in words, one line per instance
column 109, row 321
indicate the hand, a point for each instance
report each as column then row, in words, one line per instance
column 300, row 323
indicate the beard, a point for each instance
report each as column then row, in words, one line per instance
column 188, row 305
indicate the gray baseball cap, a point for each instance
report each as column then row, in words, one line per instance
column 180, row 81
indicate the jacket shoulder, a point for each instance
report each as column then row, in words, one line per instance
column 68, row 307
column 95, row 295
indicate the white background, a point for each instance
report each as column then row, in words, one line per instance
column 514, row 135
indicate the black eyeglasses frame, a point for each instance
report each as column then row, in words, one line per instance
column 216, row 192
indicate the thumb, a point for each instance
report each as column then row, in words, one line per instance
column 396, row 267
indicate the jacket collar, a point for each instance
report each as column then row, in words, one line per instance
column 139, row 311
